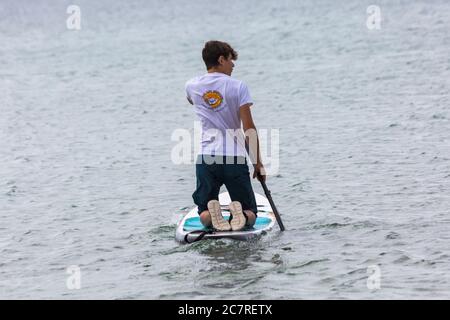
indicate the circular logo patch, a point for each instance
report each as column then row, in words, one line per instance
column 213, row 99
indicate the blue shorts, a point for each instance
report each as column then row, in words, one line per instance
column 214, row 171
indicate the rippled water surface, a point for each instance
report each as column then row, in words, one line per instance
column 86, row 119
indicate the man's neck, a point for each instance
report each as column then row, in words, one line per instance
column 213, row 70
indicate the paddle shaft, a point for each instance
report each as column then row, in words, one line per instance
column 266, row 191
column 272, row 204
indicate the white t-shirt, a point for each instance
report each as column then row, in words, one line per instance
column 217, row 98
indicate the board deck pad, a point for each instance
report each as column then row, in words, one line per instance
column 194, row 223
column 190, row 226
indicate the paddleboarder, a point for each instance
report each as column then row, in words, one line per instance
column 222, row 104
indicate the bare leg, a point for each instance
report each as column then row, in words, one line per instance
column 205, row 218
column 251, row 218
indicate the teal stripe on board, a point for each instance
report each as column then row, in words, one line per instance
column 194, row 223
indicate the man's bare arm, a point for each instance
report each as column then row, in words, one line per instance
column 251, row 139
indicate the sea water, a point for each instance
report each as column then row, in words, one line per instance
column 90, row 195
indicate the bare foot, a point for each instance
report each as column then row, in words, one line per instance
column 205, row 219
column 251, row 218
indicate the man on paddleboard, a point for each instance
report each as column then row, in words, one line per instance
column 222, row 103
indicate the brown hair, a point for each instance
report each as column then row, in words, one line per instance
column 214, row 49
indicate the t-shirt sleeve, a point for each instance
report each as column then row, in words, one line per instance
column 244, row 95
column 186, row 88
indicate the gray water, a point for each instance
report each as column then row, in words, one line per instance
column 87, row 179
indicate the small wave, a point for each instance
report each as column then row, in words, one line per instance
column 403, row 258
column 164, row 229
column 392, row 236
column 438, row 117
column 333, row 225
column 309, row 263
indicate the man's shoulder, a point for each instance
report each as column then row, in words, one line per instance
column 198, row 80
column 236, row 83
column 192, row 80
column 232, row 79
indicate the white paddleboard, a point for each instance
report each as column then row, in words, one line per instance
column 190, row 229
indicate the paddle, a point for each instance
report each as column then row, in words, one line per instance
column 266, row 190
column 272, row 204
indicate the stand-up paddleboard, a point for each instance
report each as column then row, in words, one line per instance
column 190, row 229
